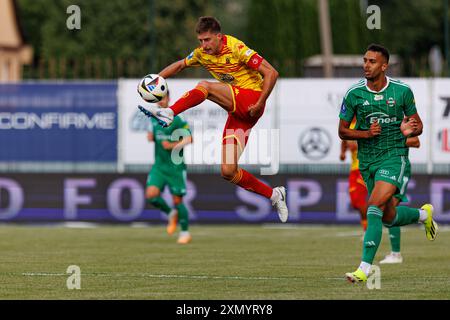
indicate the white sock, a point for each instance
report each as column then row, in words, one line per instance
column 275, row 195
column 365, row 267
column 423, row 215
column 397, row 254
column 184, row 233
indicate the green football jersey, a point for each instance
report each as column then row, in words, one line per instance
column 388, row 106
column 175, row 132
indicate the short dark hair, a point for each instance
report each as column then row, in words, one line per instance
column 379, row 48
column 205, row 24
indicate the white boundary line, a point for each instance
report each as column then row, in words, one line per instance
column 159, row 276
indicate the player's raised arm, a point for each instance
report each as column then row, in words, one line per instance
column 270, row 75
column 173, row 69
column 345, row 133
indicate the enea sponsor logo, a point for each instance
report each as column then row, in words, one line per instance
column 381, row 118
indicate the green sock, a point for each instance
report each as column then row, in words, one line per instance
column 183, row 217
column 161, row 204
column 372, row 237
column 394, row 236
column 404, row 216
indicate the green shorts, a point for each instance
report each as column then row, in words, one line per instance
column 395, row 170
column 176, row 181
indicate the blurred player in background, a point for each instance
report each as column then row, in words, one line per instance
column 358, row 194
column 356, row 186
column 245, row 82
column 166, row 172
column 386, row 114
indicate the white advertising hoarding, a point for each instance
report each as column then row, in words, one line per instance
column 440, row 110
column 309, row 118
column 300, row 124
column 206, row 121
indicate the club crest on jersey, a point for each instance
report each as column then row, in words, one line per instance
column 390, row 102
column 378, row 97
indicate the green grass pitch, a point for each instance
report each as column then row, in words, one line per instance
column 223, row 262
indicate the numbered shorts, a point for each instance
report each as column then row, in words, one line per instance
column 176, row 181
column 239, row 123
column 395, row 170
column 357, row 189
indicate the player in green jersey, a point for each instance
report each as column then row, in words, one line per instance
column 386, row 115
column 169, row 169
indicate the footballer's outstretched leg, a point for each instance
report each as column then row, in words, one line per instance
column 164, row 116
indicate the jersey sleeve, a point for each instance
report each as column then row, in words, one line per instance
column 410, row 103
column 193, row 59
column 347, row 109
column 353, row 124
column 247, row 56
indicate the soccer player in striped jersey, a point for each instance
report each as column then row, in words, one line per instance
column 386, row 115
column 245, row 81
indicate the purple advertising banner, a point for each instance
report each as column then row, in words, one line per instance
column 113, row 198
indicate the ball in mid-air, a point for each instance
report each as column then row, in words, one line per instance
column 152, row 88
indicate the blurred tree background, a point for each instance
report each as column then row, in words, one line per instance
column 135, row 37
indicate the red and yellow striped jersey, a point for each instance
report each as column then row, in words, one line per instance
column 236, row 64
